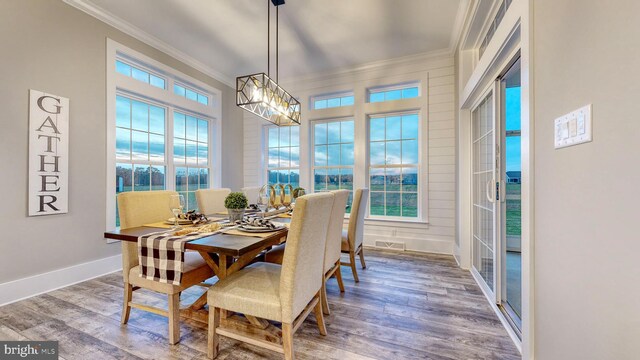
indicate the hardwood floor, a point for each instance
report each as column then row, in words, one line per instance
column 406, row 306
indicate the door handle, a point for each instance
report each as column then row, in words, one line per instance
column 490, row 191
column 503, row 191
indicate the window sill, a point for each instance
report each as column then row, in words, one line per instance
column 416, row 223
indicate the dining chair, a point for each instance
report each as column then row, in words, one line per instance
column 332, row 247
column 284, row 293
column 353, row 236
column 144, row 207
column 211, row 201
column 252, row 194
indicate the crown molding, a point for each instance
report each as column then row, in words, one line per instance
column 136, row 32
column 465, row 8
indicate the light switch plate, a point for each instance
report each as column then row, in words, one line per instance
column 573, row 128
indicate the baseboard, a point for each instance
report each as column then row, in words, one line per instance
column 24, row 288
column 425, row 245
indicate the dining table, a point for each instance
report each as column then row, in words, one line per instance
column 225, row 253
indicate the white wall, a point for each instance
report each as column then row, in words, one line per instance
column 436, row 74
column 587, row 243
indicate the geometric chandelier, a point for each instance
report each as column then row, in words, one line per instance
column 261, row 95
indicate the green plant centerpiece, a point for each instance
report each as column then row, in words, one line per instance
column 236, row 202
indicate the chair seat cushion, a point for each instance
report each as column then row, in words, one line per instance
column 275, row 255
column 345, row 241
column 254, row 290
column 195, row 271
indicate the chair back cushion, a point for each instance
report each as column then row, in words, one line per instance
column 211, row 201
column 252, row 194
column 334, row 232
column 302, row 266
column 356, row 219
column 137, row 208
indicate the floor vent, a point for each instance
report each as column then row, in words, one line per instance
column 390, row 245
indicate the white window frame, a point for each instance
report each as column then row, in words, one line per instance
column 265, row 149
column 385, row 88
column 334, row 95
column 119, row 84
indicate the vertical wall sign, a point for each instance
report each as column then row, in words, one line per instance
column 48, row 154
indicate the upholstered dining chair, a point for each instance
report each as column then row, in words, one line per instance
column 332, row 247
column 252, row 194
column 284, row 293
column 211, row 201
column 353, row 236
column 144, row 207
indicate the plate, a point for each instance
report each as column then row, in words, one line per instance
column 258, row 229
column 171, row 221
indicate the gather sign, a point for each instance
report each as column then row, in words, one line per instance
column 48, row 154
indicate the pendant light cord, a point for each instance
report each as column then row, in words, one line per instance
column 277, row 48
column 268, row 38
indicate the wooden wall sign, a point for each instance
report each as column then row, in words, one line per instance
column 48, row 154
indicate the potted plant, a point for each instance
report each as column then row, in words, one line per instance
column 235, row 203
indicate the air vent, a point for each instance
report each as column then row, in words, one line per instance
column 390, row 245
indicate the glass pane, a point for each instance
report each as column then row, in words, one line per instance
column 295, row 135
column 273, row 137
column 410, row 92
column 123, row 68
column 393, row 152
column 333, row 179
column 410, row 179
column 204, row 178
column 377, row 203
column 203, row 99
column 284, row 137
column 335, row 102
column 393, row 95
column 203, row 154
column 273, row 176
column 294, row 178
column 376, row 129
column 346, row 101
column 393, row 204
column 392, row 179
column 409, row 204
column 156, row 147
column 346, row 131
column 333, row 130
column 192, row 128
column 157, row 178
column 273, row 157
column 320, row 179
column 192, row 152
column 179, row 151
column 376, row 179
column 140, row 75
column 141, row 178
column 284, row 157
column 320, row 133
column 179, row 90
column 140, row 119
column 321, row 155
column 140, row 145
column 191, row 95
column 123, row 112
column 178, row 125
column 192, row 202
column 203, row 130
column 410, row 126
column 410, row 152
column 393, row 128
column 346, row 154
column 156, row 120
column 283, row 177
column 346, row 179
column 295, row 156
column 194, row 177
column 320, row 104
column 376, row 153
column 376, row 97
column 181, row 179
column 123, row 177
column 349, row 202
column 157, row 82
column 333, row 155
column 123, row 143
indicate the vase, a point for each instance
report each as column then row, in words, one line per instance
column 235, row 214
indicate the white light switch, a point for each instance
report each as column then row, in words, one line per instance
column 573, row 128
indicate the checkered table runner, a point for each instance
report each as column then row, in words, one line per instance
column 161, row 256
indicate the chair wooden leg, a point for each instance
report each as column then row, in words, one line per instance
column 352, row 258
column 320, row 319
column 323, row 297
column 174, row 318
column 287, row 340
column 213, row 338
column 338, row 274
column 126, row 309
column 364, row 265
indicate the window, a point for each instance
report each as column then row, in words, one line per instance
column 396, row 92
column 394, row 165
column 191, row 156
column 189, row 93
column 502, row 10
column 333, row 156
column 139, row 74
column 331, row 101
column 283, row 155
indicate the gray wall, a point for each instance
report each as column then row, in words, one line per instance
column 587, row 203
column 50, row 46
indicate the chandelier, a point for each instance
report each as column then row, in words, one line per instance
column 261, row 95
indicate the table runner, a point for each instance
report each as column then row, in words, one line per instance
column 161, row 256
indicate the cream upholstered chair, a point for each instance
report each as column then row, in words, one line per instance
column 332, row 248
column 284, row 293
column 144, row 207
column 211, row 201
column 252, row 194
column 353, row 236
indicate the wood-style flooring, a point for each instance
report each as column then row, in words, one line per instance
column 406, row 306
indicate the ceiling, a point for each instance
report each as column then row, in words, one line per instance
column 229, row 36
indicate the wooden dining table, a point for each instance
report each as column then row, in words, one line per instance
column 224, row 253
